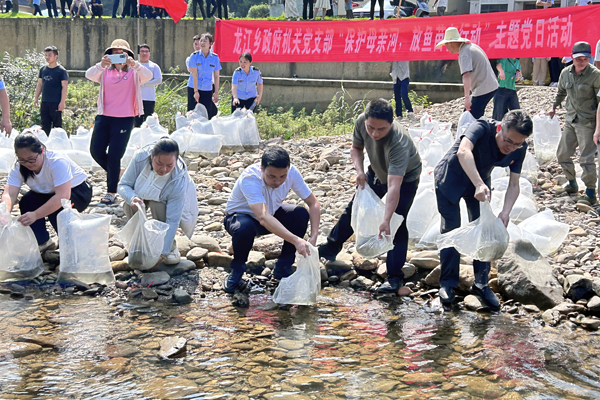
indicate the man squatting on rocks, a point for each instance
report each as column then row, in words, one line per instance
column 580, row 84
column 465, row 172
column 395, row 169
column 255, row 207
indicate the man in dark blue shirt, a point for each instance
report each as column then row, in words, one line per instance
column 465, row 172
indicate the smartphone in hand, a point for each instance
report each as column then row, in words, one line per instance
column 117, row 58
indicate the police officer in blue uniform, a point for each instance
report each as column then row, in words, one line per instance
column 204, row 66
column 247, row 85
column 465, row 172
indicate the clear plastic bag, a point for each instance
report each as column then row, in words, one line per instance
column 465, row 120
column 144, row 240
column 7, row 160
column 546, row 135
column 228, row 127
column 181, row 121
column 21, row 258
column 206, row 145
column 81, row 141
column 58, row 140
column 303, row 286
column 153, row 123
column 368, row 211
column 249, row 135
column 523, row 208
column 420, row 214
column 525, row 187
column 202, row 126
column 543, row 224
column 8, row 142
column 541, row 243
column 199, row 112
column 485, row 239
column 182, row 136
column 82, row 158
column 83, row 241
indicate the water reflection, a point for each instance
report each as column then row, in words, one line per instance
column 348, row 346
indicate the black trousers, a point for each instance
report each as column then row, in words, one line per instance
column 307, row 4
column 108, row 144
column 372, row 12
column 243, row 228
column 205, row 100
column 97, row 10
column 200, row 4
column 221, row 4
column 555, row 67
column 36, row 10
column 64, row 3
column 51, row 5
column 450, row 258
column 504, row 101
column 115, row 8
column 243, row 104
column 148, row 111
column 396, row 258
column 50, row 116
column 81, row 195
column 479, row 103
column 130, row 9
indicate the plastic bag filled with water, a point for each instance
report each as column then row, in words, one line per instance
column 303, row 286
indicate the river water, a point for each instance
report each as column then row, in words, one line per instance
column 348, row 346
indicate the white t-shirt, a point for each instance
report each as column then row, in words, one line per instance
column 597, row 55
column 582, row 2
column 442, row 3
column 251, row 189
column 57, row 169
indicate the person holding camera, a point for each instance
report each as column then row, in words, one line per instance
column 120, row 101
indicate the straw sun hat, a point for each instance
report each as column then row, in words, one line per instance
column 120, row 44
column 452, row 35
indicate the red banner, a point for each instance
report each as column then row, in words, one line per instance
column 533, row 33
column 175, row 8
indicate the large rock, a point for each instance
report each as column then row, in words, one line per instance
column 116, row 253
column 119, row 266
column 425, row 262
column 465, row 277
column 524, row 275
column 155, row 279
column 196, row 254
column 219, row 259
column 256, row 259
column 18, row 350
column 206, row 242
column 172, row 346
column 363, row 263
column 594, row 304
column 182, row 267
column 578, row 287
column 183, row 245
column 182, row 296
column 332, row 155
column 269, row 245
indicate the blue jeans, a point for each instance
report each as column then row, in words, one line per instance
column 401, row 95
column 504, row 101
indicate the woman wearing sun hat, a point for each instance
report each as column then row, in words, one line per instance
column 479, row 81
column 119, row 101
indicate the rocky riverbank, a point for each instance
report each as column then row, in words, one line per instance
column 565, row 284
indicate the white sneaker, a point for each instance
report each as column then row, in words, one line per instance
column 173, row 257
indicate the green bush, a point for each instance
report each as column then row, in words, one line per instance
column 259, row 11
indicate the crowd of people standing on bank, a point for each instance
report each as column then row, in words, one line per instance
column 157, row 176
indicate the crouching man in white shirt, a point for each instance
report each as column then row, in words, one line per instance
column 255, row 207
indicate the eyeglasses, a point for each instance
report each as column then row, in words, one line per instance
column 144, row 51
column 511, row 143
column 29, row 160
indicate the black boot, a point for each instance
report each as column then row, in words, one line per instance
column 391, row 285
column 447, row 295
column 487, row 296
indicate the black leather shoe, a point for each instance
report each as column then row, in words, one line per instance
column 391, row 285
column 282, row 272
column 325, row 253
column 487, row 296
column 447, row 295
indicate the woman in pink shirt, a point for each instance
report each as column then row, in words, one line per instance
column 120, row 100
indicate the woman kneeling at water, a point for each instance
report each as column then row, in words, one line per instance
column 51, row 176
column 158, row 178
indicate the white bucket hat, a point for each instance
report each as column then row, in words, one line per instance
column 452, row 35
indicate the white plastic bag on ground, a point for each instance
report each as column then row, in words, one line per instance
column 82, row 158
column 21, row 258
column 206, row 145
column 465, row 120
column 546, row 135
column 38, row 132
column 525, row 187
column 153, row 123
column 7, row 160
column 368, row 211
column 83, row 241
column 198, row 112
column 429, row 239
column 485, row 239
column 303, row 286
column 181, row 121
column 144, row 240
column 144, row 136
column 81, row 141
column 182, row 136
column 420, row 214
column 228, row 127
column 544, row 224
column 189, row 216
column 8, row 142
column 541, row 243
column 58, row 140
column 202, row 126
column 249, row 135
column 499, row 172
column 523, row 208
column 530, row 167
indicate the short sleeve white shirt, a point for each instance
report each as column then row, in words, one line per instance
column 251, row 189
column 57, row 169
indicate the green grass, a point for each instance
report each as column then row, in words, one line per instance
column 18, row 15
